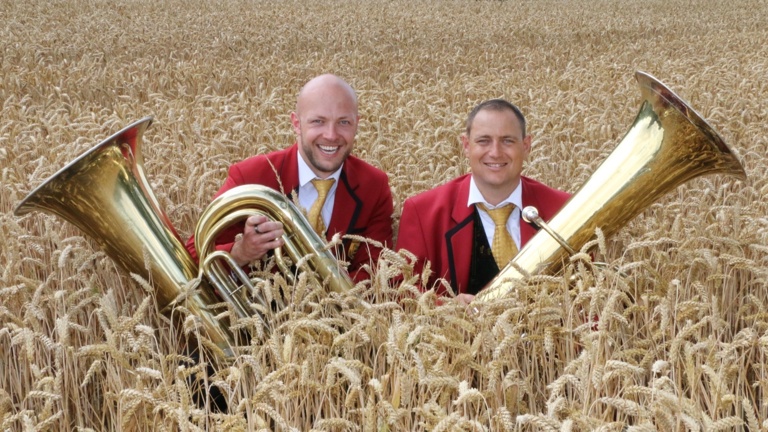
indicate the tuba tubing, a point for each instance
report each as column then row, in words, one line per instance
column 668, row 144
column 301, row 243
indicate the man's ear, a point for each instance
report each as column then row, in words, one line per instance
column 465, row 143
column 527, row 142
column 296, row 123
column 357, row 122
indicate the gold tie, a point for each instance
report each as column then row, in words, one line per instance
column 316, row 212
column 504, row 248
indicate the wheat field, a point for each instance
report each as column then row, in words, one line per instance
column 682, row 338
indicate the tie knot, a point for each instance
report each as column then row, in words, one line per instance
column 323, row 186
column 499, row 214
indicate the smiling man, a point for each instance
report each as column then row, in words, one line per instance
column 470, row 227
column 341, row 193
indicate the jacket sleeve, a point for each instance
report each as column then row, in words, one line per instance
column 227, row 238
column 378, row 228
column 411, row 237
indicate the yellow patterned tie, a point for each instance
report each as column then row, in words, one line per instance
column 316, row 212
column 504, row 248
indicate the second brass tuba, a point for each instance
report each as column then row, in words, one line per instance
column 668, row 144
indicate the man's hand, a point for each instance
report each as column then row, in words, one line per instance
column 465, row 299
column 260, row 235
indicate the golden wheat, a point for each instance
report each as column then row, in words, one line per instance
column 670, row 334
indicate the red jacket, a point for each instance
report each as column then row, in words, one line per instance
column 363, row 203
column 437, row 226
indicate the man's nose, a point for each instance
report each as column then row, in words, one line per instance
column 495, row 148
column 330, row 131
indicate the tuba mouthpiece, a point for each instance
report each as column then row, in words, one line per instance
column 531, row 215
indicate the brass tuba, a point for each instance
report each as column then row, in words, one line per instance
column 302, row 244
column 668, row 144
column 105, row 193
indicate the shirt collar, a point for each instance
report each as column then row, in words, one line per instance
column 306, row 174
column 516, row 197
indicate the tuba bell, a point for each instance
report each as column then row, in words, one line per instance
column 668, row 144
column 105, row 194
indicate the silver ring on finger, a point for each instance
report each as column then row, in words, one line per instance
column 256, row 228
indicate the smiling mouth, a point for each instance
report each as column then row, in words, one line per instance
column 329, row 150
column 495, row 165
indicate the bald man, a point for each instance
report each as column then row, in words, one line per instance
column 358, row 201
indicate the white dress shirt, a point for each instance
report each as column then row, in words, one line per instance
column 308, row 193
column 513, row 223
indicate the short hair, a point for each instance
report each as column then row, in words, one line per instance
column 495, row 105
